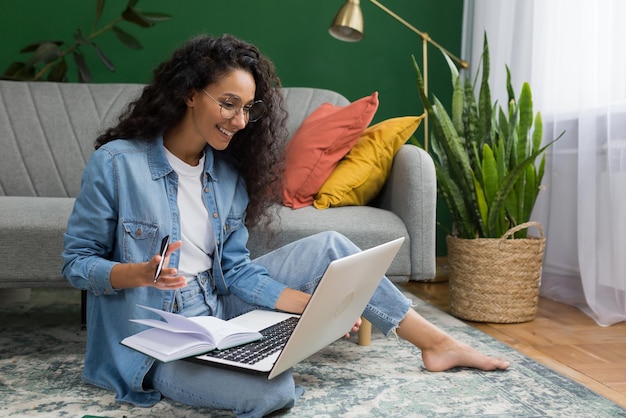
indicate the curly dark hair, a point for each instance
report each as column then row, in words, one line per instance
column 203, row 60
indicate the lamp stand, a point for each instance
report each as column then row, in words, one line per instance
column 425, row 40
column 348, row 26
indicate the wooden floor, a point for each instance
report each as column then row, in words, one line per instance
column 561, row 337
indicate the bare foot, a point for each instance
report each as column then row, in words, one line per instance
column 440, row 351
column 450, row 353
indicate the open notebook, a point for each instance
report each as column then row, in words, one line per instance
column 340, row 298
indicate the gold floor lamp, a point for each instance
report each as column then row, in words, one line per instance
column 348, row 26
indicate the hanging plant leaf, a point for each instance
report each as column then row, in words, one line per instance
column 84, row 74
column 99, row 9
column 33, row 47
column 13, row 69
column 18, row 71
column 103, row 58
column 45, row 53
column 126, row 38
column 134, row 16
column 58, row 71
column 156, row 17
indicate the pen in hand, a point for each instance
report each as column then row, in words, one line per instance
column 164, row 244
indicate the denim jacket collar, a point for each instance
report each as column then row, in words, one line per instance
column 160, row 167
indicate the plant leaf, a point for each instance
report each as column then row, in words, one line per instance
column 156, row 17
column 99, row 9
column 525, row 122
column 18, row 71
column 45, row 53
column 458, row 103
column 58, row 71
column 540, row 171
column 126, row 38
column 452, row 143
column 470, row 117
column 538, row 132
column 13, row 68
column 438, row 152
column 481, row 200
column 107, row 62
column 531, row 190
column 484, row 100
column 509, row 87
column 84, row 74
column 511, row 150
column 454, row 72
column 509, row 181
column 517, row 199
column 33, row 47
column 490, row 174
column 132, row 15
column 453, row 197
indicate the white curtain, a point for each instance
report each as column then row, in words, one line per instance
column 573, row 54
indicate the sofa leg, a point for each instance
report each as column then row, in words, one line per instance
column 83, row 309
column 365, row 332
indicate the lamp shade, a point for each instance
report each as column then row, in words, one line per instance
column 348, row 23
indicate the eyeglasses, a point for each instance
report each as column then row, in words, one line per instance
column 230, row 107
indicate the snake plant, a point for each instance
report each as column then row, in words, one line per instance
column 485, row 155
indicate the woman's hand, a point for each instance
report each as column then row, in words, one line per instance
column 167, row 277
column 293, row 301
column 129, row 275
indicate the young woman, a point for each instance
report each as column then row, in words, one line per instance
column 195, row 157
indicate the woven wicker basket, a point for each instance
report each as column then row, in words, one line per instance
column 496, row 279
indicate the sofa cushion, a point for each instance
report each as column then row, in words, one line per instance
column 32, row 239
column 361, row 174
column 325, row 136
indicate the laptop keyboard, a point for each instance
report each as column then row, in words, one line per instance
column 274, row 339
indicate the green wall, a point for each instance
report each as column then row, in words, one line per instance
column 293, row 33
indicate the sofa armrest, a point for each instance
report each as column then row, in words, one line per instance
column 411, row 193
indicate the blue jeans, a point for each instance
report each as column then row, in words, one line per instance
column 300, row 265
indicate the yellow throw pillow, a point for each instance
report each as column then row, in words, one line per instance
column 361, row 174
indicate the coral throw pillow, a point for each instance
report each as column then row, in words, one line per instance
column 323, row 139
column 361, row 174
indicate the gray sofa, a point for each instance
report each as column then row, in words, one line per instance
column 47, row 132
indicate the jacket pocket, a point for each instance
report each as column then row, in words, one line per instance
column 140, row 241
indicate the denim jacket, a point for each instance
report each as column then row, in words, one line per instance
column 126, row 205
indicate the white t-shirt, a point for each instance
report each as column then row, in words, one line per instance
column 196, row 228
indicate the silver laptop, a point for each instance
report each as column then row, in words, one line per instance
column 338, row 301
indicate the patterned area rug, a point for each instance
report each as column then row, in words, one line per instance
column 42, row 346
